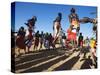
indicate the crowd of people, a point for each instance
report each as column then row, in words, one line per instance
column 40, row 40
column 44, row 40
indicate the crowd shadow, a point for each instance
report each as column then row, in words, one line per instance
column 88, row 63
column 43, row 54
column 68, row 65
column 37, row 55
column 44, row 66
column 52, row 53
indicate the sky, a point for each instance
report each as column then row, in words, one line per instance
column 46, row 14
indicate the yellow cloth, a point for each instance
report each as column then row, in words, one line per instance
column 92, row 43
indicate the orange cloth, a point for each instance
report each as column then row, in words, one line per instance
column 71, row 35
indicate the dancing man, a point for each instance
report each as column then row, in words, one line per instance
column 31, row 25
column 74, row 20
column 57, row 27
